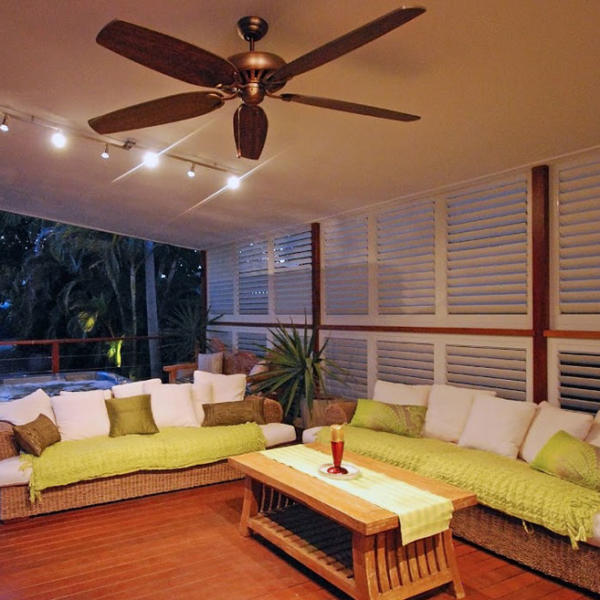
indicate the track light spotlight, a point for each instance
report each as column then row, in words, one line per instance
column 3, row 126
column 191, row 173
column 58, row 139
column 105, row 153
column 233, row 183
column 151, row 159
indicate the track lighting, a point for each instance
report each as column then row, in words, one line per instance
column 58, row 139
column 3, row 126
column 233, row 183
column 192, row 171
column 151, row 159
column 105, row 153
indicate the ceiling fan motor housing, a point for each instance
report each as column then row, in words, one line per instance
column 254, row 68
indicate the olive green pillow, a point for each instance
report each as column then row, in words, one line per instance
column 132, row 414
column 394, row 418
column 571, row 459
column 234, row 413
column 35, row 436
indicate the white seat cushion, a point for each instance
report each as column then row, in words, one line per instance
column 497, row 425
column 27, row 409
column 135, row 388
column 400, row 393
column 81, row 415
column 225, row 388
column 548, row 420
column 278, row 433
column 11, row 473
column 172, row 405
column 310, row 435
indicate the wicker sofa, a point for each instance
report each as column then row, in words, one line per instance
column 532, row 545
column 15, row 497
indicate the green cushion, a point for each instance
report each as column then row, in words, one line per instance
column 234, row 413
column 571, row 459
column 130, row 415
column 35, row 436
column 391, row 418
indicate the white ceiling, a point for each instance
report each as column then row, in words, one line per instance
column 498, row 84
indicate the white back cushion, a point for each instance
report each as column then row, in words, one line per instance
column 497, row 425
column 201, row 394
column 448, row 411
column 172, row 405
column 400, row 393
column 27, row 409
column 593, row 436
column 548, row 420
column 81, row 415
column 225, row 388
column 135, row 388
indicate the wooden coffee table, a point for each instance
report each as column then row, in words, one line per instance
column 348, row 541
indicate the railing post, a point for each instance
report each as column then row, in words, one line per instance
column 55, row 358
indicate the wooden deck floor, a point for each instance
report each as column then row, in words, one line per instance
column 186, row 545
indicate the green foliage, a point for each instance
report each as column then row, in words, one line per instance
column 296, row 369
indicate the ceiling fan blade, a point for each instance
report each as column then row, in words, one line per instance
column 351, row 107
column 166, row 54
column 157, row 112
column 250, row 130
column 346, row 43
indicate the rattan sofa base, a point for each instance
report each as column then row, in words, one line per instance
column 15, row 504
column 539, row 549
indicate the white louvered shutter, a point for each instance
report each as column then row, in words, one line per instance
column 487, row 249
column 223, row 335
column 346, row 268
column 293, row 273
column 579, row 239
column 253, row 283
column 221, row 273
column 351, row 356
column 406, row 259
column 404, row 362
column 500, row 369
column 252, row 342
column 579, row 380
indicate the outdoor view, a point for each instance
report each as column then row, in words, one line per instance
column 62, row 282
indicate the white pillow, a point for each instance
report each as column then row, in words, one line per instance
column 81, row 415
column 201, row 394
column 400, row 393
column 172, row 405
column 27, row 409
column 448, row 411
column 547, row 422
column 135, row 388
column 213, row 363
column 225, row 388
column 594, row 434
column 497, row 425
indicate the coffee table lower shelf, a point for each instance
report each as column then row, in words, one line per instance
column 364, row 566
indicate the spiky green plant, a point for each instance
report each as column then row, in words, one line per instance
column 296, row 369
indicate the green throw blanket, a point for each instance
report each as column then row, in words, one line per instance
column 172, row 448
column 508, row 485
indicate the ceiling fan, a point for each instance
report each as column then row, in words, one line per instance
column 249, row 76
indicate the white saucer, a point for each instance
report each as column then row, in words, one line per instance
column 352, row 473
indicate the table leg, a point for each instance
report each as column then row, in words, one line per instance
column 456, row 583
column 252, row 491
column 364, row 565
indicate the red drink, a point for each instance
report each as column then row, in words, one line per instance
column 337, row 450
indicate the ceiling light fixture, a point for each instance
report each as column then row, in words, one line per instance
column 192, row 171
column 3, row 126
column 233, row 183
column 105, row 153
column 58, row 139
column 151, row 159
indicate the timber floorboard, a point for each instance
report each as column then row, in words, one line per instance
column 186, row 545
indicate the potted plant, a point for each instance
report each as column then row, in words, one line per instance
column 295, row 371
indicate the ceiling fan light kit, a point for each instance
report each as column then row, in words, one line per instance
column 250, row 76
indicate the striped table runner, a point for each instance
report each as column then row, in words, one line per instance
column 422, row 514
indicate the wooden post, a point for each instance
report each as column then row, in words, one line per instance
column 315, row 230
column 55, row 358
column 540, row 267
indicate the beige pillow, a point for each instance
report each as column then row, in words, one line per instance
column 448, row 410
column 225, row 388
column 548, row 420
column 401, row 393
column 497, row 425
column 212, row 363
column 135, row 388
column 26, row 409
column 593, row 436
column 81, row 415
column 172, row 405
